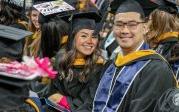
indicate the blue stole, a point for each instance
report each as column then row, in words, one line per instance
column 113, row 87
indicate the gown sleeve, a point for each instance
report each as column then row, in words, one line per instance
column 154, row 80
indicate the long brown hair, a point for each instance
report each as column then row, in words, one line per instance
column 161, row 22
column 65, row 61
column 31, row 26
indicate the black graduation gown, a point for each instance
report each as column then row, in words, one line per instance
column 165, row 47
column 12, row 93
column 11, row 48
column 148, row 86
column 79, row 95
column 168, row 48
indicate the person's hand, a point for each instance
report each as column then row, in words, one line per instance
column 55, row 97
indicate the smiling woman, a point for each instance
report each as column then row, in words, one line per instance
column 79, row 66
column 85, row 42
column 32, row 43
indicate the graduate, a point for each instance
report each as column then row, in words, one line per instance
column 79, row 66
column 12, row 90
column 12, row 14
column 163, row 34
column 31, row 47
column 138, row 76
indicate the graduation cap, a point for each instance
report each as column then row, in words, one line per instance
column 11, row 42
column 15, row 4
column 147, row 5
column 150, row 5
column 36, row 2
column 54, row 9
column 13, row 33
column 114, row 5
column 169, row 6
column 130, row 6
column 84, row 20
column 41, row 1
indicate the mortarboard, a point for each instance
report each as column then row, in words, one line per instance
column 37, row 2
column 114, row 5
column 84, row 20
column 53, row 18
column 169, row 6
column 147, row 5
column 172, row 3
column 15, row 4
column 150, row 5
column 41, row 1
column 11, row 42
column 54, row 10
column 13, row 33
column 130, row 6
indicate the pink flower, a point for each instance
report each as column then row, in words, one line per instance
column 45, row 65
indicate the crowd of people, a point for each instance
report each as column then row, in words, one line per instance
column 124, row 66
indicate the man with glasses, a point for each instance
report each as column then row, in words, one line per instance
column 138, row 76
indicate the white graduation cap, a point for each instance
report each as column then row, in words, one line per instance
column 53, row 7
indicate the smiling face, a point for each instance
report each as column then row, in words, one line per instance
column 128, row 31
column 85, row 42
column 34, row 18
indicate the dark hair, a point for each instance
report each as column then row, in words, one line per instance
column 65, row 61
column 52, row 33
column 9, row 13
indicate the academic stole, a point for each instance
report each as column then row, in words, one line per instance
column 112, row 89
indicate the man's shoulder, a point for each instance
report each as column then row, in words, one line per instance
column 158, row 67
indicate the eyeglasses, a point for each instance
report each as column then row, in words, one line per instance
column 131, row 25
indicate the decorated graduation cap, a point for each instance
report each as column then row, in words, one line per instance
column 53, row 9
column 84, row 20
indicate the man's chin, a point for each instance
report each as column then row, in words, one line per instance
column 125, row 46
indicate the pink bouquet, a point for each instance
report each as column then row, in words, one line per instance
column 29, row 68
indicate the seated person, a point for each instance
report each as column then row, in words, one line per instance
column 135, row 80
column 163, row 35
column 79, row 66
column 11, row 14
